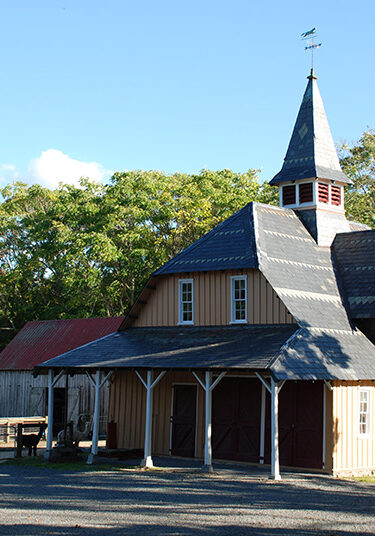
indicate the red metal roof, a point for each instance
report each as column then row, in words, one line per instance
column 41, row 340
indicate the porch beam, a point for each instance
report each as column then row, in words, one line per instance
column 264, row 382
column 54, row 382
column 92, row 381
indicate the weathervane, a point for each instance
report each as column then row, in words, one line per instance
column 309, row 37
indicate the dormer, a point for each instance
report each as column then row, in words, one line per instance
column 311, row 180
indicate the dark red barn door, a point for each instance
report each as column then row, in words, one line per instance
column 300, row 424
column 236, row 419
column 184, row 420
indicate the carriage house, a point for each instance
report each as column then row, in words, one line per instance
column 256, row 343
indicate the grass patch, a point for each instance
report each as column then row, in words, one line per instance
column 40, row 461
column 368, row 479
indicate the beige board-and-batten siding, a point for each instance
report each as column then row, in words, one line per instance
column 127, row 408
column 212, row 300
column 353, row 453
column 22, row 395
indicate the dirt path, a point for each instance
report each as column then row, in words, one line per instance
column 48, row 501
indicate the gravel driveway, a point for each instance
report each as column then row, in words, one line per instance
column 234, row 501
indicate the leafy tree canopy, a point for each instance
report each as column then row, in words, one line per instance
column 87, row 251
column 358, row 162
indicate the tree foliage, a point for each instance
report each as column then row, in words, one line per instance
column 87, row 251
column 358, row 162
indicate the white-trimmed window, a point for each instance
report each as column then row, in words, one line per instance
column 239, row 298
column 364, row 412
column 186, row 301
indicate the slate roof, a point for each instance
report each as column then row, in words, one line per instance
column 42, row 339
column 239, row 347
column 230, row 244
column 324, row 345
column 316, row 354
column 355, row 256
column 311, row 152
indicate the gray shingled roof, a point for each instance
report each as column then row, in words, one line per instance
column 311, row 152
column 325, row 345
column 229, row 245
column 317, row 354
column 245, row 347
column 355, row 255
column 300, row 272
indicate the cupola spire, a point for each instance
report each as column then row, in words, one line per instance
column 311, row 180
column 311, row 153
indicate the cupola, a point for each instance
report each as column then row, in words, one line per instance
column 311, row 180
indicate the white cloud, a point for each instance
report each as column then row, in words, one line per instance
column 53, row 167
column 8, row 173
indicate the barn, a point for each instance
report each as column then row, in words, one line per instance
column 255, row 343
column 24, row 395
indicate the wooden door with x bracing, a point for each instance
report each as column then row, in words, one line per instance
column 183, row 420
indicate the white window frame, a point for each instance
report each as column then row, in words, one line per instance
column 234, row 278
column 367, row 413
column 181, row 320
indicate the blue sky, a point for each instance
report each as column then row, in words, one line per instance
column 93, row 87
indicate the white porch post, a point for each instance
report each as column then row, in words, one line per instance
column 262, row 424
column 97, row 384
column 147, row 460
column 48, row 451
column 149, row 386
column 208, row 387
column 208, row 445
column 95, row 432
column 275, row 464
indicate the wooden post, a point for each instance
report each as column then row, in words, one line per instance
column 19, row 441
column 262, row 424
column 147, row 460
column 149, row 386
column 275, row 465
column 95, row 432
column 48, row 451
column 208, row 387
column 208, row 427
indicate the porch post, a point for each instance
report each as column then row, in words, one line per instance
column 262, row 424
column 95, row 432
column 208, row 445
column 48, row 451
column 149, row 385
column 275, row 465
column 147, row 460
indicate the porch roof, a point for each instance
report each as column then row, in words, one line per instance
column 230, row 347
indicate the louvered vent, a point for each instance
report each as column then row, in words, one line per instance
column 306, row 193
column 336, row 195
column 323, row 191
column 289, row 195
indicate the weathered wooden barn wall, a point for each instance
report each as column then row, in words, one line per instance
column 351, row 451
column 127, row 407
column 22, row 395
column 212, row 300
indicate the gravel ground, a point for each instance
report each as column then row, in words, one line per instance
column 234, row 501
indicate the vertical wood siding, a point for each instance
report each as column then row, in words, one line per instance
column 22, row 395
column 351, row 451
column 212, row 301
column 128, row 407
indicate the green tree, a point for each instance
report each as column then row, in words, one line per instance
column 358, row 162
column 87, row 251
